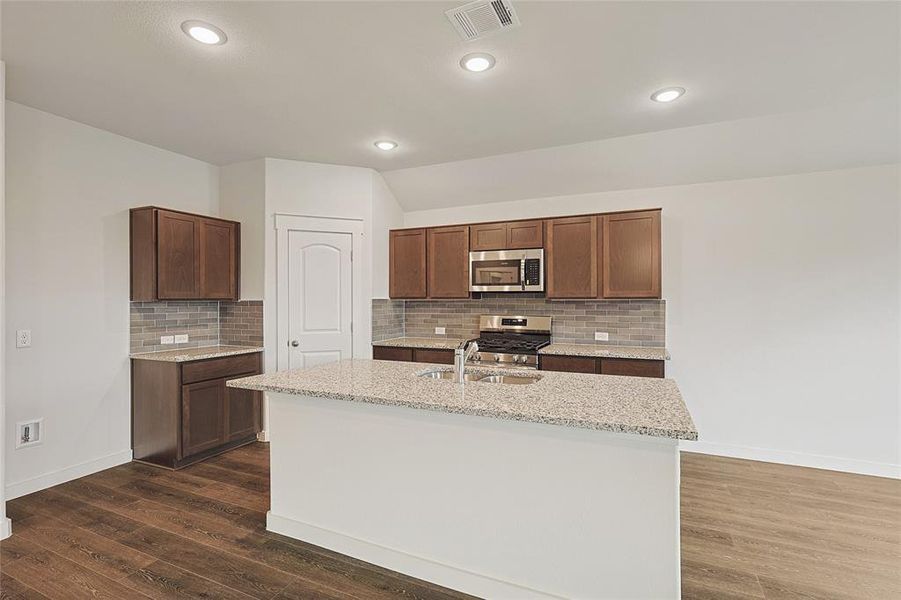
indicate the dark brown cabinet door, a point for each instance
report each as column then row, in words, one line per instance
column 218, row 259
column 572, row 254
column 407, row 263
column 243, row 413
column 525, row 234
column 630, row 255
column 490, row 236
column 178, row 256
column 448, row 270
column 203, row 416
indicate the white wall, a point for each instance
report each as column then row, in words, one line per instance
column 69, row 188
column 386, row 214
column 242, row 194
column 254, row 192
column 782, row 309
column 313, row 190
column 5, row 528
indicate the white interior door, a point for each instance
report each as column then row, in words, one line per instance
column 320, row 297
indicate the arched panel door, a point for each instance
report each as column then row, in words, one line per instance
column 320, row 297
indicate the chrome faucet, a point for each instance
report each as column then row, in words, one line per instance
column 461, row 356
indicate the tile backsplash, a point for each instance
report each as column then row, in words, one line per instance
column 241, row 323
column 206, row 323
column 387, row 319
column 628, row 322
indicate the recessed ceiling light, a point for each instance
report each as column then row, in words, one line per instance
column 477, row 62
column 386, row 145
column 667, row 94
column 204, row 32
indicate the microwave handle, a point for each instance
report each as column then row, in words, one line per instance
column 522, row 273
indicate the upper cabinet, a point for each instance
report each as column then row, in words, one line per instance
column 219, row 267
column 448, row 259
column 488, row 236
column 630, row 255
column 507, row 236
column 572, row 257
column 406, row 263
column 182, row 256
column 610, row 255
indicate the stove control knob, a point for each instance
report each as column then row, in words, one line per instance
column 519, row 359
column 497, row 358
column 477, row 356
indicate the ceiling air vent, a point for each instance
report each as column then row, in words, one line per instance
column 483, row 17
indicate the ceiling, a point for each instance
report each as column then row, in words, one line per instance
column 320, row 81
column 835, row 137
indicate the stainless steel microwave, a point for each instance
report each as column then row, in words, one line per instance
column 507, row 271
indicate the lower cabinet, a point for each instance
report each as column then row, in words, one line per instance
column 202, row 416
column 421, row 355
column 605, row 366
column 183, row 412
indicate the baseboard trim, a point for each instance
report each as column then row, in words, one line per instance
column 799, row 459
column 6, row 528
column 42, row 482
column 402, row 562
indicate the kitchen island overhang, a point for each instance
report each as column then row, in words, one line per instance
column 496, row 507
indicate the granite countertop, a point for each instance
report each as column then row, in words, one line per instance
column 638, row 405
column 596, row 351
column 189, row 354
column 424, row 343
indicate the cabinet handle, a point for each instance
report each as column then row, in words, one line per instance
column 295, row 343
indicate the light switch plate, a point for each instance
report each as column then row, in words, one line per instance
column 439, row 331
column 601, row 336
column 167, row 339
column 23, row 338
column 181, row 339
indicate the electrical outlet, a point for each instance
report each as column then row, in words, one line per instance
column 439, row 331
column 167, row 339
column 601, row 336
column 23, row 338
column 29, row 433
column 181, row 339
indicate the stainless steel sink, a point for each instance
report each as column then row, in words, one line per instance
column 512, row 379
column 481, row 377
column 449, row 375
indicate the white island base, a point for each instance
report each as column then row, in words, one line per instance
column 491, row 507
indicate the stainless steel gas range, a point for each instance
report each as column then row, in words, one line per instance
column 511, row 341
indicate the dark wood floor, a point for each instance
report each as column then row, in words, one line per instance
column 749, row 531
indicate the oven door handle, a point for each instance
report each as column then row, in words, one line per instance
column 522, row 273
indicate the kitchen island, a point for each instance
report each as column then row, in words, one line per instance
column 565, row 487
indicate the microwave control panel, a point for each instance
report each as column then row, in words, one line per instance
column 533, row 271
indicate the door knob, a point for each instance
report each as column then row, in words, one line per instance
column 295, row 343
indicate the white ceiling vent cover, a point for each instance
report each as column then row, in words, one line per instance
column 483, row 17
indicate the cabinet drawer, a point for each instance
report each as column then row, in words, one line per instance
column 632, row 367
column 569, row 364
column 392, row 353
column 441, row 357
column 215, row 368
